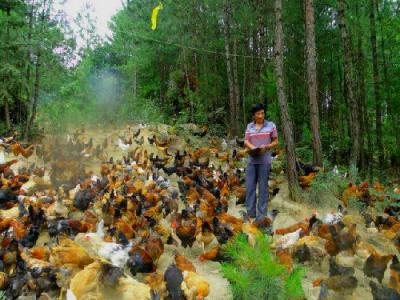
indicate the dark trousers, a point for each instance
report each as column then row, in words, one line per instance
column 257, row 173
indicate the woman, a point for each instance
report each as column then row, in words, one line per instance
column 261, row 136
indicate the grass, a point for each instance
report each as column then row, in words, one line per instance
column 255, row 273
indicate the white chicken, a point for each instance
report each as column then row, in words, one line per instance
column 123, row 146
column 288, row 240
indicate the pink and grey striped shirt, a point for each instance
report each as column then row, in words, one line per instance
column 258, row 137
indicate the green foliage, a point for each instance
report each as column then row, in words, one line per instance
column 325, row 189
column 3, row 295
column 255, row 273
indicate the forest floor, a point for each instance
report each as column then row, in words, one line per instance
column 290, row 213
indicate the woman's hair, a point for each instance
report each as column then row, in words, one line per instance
column 257, row 107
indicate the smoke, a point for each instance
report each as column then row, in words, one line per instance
column 105, row 92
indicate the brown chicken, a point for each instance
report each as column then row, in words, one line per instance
column 342, row 240
column 376, row 264
column 350, row 192
column 42, row 253
column 80, row 226
column 155, row 247
column 205, row 235
column 306, row 226
column 140, row 261
column 285, row 258
column 183, row 263
column 69, row 253
column 305, row 181
column 394, row 281
column 6, row 165
column 157, row 285
column 185, row 230
column 337, row 283
column 17, row 149
column 125, row 228
column 214, row 254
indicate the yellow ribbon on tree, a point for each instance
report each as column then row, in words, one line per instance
column 154, row 16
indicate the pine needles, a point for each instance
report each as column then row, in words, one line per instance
column 255, row 273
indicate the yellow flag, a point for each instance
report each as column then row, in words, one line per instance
column 154, row 16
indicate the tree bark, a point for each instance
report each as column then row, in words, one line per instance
column 294, row 188
column 312, row 82
column 375, row 76
column 232, row 99
column 348, row 79
column 236, row 84
column 5, row 100
column 36, row 92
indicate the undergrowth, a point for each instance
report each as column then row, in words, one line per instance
column 255, row 273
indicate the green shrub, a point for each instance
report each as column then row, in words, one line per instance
column 325, row 189
column 255, row 273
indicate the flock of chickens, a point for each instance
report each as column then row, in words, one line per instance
column 70, row 233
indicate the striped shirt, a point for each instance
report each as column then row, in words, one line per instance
column 258, row 137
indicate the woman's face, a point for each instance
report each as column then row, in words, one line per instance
column 259, row 116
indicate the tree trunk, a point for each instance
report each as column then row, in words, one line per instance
column 236, row 84
column 188, row 94
column 375, row 76
column 312, row 82
column 348, row 80
column 232, row 99
column 243, row 93
column 5, row 100
column 35, row 99
column 361, row 96
column 35, row 94
column 294, row 188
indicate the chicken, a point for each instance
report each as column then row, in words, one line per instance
column 185, row 231
column 69, row 253
column 80, row 226
column 335, row 269
column 221, row 232
column 183, row 263
column 18, row 149
column 214, row 254
column 289, row 239
column 83, row 198
column 350, row 192
column 42, row 253
column 194, row 286
column 129, row 288
column 305, row 181
column 6, row 165
column 337, row 283
column 154, row 247
column 394, row 281
column 157, row 284
column 302, row 253
column 306, row 227
column 174, row 278
column 205, row 235
column 383, row 293
column 140, row 261
column 376, row 264
column 122, row 146
column 3, row 280
column 84, row 283
column 343, row 240
column 285, row 258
